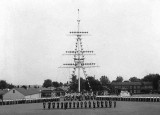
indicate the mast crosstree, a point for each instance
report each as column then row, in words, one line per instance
column 79, row 56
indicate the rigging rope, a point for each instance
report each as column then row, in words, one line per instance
column 84, row 68
column 82, row 64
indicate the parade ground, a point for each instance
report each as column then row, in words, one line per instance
column 123, row 108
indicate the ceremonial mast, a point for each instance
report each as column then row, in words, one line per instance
column 79, row 56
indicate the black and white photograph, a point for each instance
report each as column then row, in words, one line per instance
column 79, row 57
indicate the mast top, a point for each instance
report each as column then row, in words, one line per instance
column 78, row 33
column 78, row 20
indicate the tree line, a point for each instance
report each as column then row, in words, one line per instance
column 5, row 85
column 153, row 78
column 95, row 84
column 102, row 83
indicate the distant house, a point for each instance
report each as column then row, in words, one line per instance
column 47, row 92
column 2, row 92
column 132, row 87
column 59, row 91
column 147, row 85
column 52, row 92
column 106, row 90
column 65, row 88
column 21, row 93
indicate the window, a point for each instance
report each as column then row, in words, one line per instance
column 13, row 91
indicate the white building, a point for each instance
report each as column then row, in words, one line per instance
column 21, row 93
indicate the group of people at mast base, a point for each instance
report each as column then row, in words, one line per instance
column 79, row 97
column 79, row 104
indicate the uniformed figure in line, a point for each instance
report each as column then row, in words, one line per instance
column 101, row 104
column 70, row 104
column 81, row 104
column 65, row 105
column 44, row 104
column 61, row 105
column 89, row 103
column 58, row 105
column 85, row 104
column 110, row 103
column 49, row 105
column 94, row 104
column 106, row 103
column 53, row 105
column 77, row 104
column 98, row 104
column 74, row 104
column 114, row 103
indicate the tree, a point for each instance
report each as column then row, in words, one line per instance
column 74, row 83
column 148, row 78
column 47, row 83
column 60, row 84
column 95, row 84
column 66, row 84
column 119, row 79
column 82, row 84
column 25, row 87
column 10, row 86
column 134, row 79
column 3, row 84
column 154, row 78
column 104, row 80
column 55, row 84
column 74, row 79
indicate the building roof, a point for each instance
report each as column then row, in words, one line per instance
column 147, row 83
column 126, row 83
column 29, row 91
column 58, row 89
column 46, row 89
column 65, row 88
column 43, row 88
column 51, row 88
column 106, row 88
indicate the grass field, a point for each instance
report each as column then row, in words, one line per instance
column 123, row 108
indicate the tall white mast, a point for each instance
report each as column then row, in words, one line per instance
column 79, row 63
column 79, row 54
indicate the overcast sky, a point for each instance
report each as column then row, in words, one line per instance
column 125, row 35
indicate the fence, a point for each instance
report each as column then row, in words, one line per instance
column 25, row 101
column 135, row 99
column 116, row 98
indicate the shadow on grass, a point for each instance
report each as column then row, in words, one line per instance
column 56, row 109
